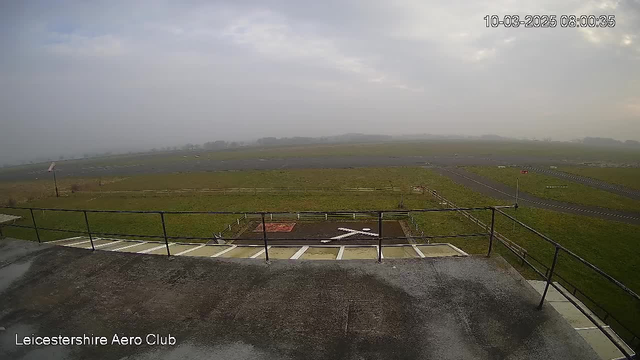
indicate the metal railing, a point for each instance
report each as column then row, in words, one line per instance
column 379, row 216
column 633, row 339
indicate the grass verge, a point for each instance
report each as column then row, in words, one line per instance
column 536, row 185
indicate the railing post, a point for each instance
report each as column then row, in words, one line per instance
column 86, row 220
column 379, row 236
column 1, row 234
column 553, row 265
column 264, row 237
column 33, row 218
column 493, row 221
column 164, row 231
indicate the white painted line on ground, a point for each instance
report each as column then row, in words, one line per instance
column 340, row 253
column 259, row 253
column 153, row 249
column 107, row 244
column 224, row 251
column 357, row 232
column 299, row 253
column 591, row 327
column 78, row 243
column 128, row 246
column 190, row 250
column 59, row 240
column 458, row 250
column 418, row 251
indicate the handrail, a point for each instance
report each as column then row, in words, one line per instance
column 260, row 212
column 585, row 262
column 377, row 214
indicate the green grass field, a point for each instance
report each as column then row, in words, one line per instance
column 535, row 184
column 607, row 244
column 629, row 177
column 551, row 150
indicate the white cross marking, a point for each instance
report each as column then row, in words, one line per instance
column 350, row 232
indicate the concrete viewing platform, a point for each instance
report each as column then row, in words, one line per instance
column 460, row 307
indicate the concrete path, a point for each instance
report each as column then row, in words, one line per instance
column 442, row 308
column 504, row 192
column 581, row 323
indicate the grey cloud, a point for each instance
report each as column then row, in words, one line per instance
column 108, row 75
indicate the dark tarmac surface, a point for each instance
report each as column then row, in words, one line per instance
column 499, row 190
column 330, row 162
column 325, row 230
column 442, row 308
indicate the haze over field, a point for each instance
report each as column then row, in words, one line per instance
column 82, row 76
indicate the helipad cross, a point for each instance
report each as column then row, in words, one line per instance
column 350, row 232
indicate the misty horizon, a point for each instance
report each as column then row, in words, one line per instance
column 342, row 139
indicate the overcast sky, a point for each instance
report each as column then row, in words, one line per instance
column 99, row 75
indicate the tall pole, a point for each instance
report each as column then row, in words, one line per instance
column 264, row 238
column 35, row 226
column 86, row 220
column 516, row 209
column 517, row 188
column 546, row 287
column 164, row 232
column 379, row 236
column 55, row 183
column 493, row 221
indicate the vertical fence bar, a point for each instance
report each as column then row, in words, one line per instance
column 86, row 221
column 55, row 183
column 164, row 231
column 264, row 237
column 35, row 227
column 553, row 265
column 493, row 221
column 379, row 236
column 1, row 234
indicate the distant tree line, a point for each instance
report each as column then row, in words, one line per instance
column 300, row 140
column 601, row 141
column 345, row 138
